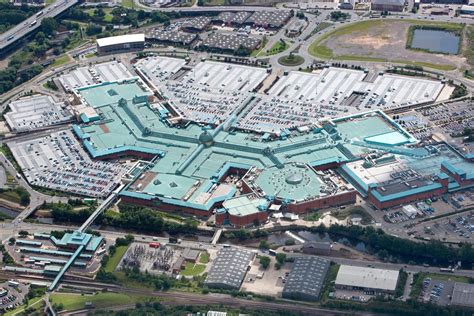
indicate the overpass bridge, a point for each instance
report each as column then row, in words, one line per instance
column 15, row 34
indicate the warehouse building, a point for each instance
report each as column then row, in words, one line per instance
column 229, row 43
column 306, row 279
column 170, row 37
column 269, row 19
column 197, row 24
column 229, row 269
column 370, row 279
column 463, row 294
column 120, row 44
column 388, row 5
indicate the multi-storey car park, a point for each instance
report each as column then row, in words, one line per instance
column 314, row 140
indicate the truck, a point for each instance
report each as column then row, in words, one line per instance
column 33, row 23
column 155, row 245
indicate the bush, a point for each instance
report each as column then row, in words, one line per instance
column 264, row 261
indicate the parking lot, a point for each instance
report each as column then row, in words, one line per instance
column 59, row 162
column 437, row 291
column 12, row 294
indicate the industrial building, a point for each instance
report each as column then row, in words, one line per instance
column 197, row 24
column 170, row 37
column 36, row 112
column 229, row 268
column 269, row 19
column 306, row 278
column 388, row 5
column 463, row 294
column 120, row 44
column 229, row 43
column 370, row 279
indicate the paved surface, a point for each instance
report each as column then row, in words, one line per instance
column 11, row 36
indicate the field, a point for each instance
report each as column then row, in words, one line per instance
column 34, row 304
column 127, row 4
column 382, row 41
column 192, row 269
column 115, row 259
column 76, row 301
column 60, row 61
column 277, row 48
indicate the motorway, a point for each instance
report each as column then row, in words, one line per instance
column 29, row 25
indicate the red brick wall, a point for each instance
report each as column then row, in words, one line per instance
column 241, row 221
column 334, row 200
column 407, row 199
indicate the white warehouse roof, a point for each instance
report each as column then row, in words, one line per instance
column 122, row 39
column 367, row 278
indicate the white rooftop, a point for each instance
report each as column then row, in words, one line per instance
column 367, row 277
column 122, row 39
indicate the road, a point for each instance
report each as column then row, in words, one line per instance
column 32, row 23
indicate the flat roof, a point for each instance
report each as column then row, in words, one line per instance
column 243, row 205
column 463, row 294
column 370, row 278
column 121, row 39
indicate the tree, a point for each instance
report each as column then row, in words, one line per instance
column 48, row 25
column 264, row 244
column 281, row 258
column 264, row 261
column 93, row 29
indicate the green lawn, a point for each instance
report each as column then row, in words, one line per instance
column 192, row 269
column 444, row 67
column 100, row 300
column 115, row 259
column 278, row 47
column 204, row 257
column 128, row 4
column 60, row 60
column 214, row 2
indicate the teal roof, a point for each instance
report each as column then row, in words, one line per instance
column 242, row 205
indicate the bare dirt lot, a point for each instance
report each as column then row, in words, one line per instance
column 384, row 39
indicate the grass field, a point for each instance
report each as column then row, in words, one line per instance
column 100, row 300
column 60, row 60
column 278, row 47
column 291, row 60
column 204, row 257
column 192, row 269
column 115, row 259
column 214, row 2
column 128, row 4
